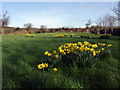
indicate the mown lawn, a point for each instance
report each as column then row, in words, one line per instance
column 21, row 55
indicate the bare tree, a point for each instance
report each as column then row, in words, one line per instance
column 100, row 21
column 4, row 20
column 89, row 22
column 106, row 20
column 43, row 27
column 110, row 20
column 116, row 10
column 28, row 26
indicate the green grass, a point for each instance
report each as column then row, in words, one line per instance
column 21, row 55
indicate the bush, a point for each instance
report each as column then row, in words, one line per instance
column 6, row 31
column 105, row 36
column 84, row 36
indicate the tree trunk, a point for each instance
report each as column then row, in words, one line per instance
column 2, row 30
column 98, row 31
column 105, row 30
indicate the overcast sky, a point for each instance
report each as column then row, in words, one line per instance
column 56, row 14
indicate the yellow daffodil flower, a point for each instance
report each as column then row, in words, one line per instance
column 46, row 64
column 49, row 54
column 46, row 53
column 54, row 51
column 55, row 69
column 102, row 49
column 56, row 56
column 39, row 66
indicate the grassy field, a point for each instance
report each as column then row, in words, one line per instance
column 21, row 55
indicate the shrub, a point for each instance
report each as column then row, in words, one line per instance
column 6, row 31
column 105, row 36
column 84, row 36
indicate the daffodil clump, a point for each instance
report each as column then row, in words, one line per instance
column 54, row 54
column 29, row 35
column 42, row 66
column 63, row 35
column 50, row 33
column 105, row 36
column 83, row 51
column 71, row 35
column 60, row 35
